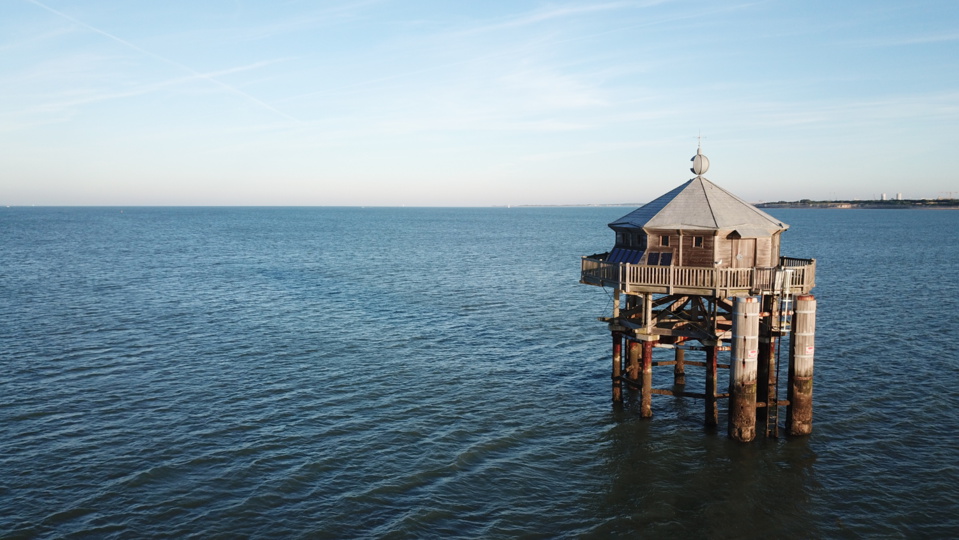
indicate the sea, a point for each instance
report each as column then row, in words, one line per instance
column 441, row 373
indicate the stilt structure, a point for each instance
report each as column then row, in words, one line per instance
column 699, row 269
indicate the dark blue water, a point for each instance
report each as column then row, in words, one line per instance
column 409, row 373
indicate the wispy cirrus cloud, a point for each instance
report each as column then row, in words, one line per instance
column 195, row 74
column 894, row 41
column 547, row 14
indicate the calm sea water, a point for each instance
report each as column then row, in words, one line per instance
column 419, row 373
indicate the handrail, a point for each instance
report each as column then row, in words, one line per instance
column 627, row 277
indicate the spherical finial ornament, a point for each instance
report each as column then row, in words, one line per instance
column 700, row 163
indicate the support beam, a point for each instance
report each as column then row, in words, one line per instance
column 801, row 352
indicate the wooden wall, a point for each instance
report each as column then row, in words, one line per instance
column 762, row 252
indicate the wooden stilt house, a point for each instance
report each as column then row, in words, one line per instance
column 698, row 224
column 676, row 268
column 699, row 238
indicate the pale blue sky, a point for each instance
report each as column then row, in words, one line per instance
column 390, row 102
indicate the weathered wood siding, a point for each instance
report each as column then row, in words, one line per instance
column 701, row 255
column 764, row 250
column 724, row 251
column 723, row 246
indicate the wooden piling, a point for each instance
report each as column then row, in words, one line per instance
column 742, row 375
column 801, row 353
column 679, row 370
column 634, row 351
column 646, row 407
column 617, row 367
column 712, row 411
column 766, row 386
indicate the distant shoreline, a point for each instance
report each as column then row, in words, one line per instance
column 925, row 204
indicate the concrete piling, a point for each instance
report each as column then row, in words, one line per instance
column 743, row 369
column 801, row 353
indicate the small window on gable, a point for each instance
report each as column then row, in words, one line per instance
column 697, row 241
column 664, row 240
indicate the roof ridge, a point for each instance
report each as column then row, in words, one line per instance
column 755, row 210
column 709, row 203
column 676, row 192
column 699, row 203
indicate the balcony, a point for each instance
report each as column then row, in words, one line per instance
column 792, row 276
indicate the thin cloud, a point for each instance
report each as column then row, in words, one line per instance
column 911, row 40
column 229, row 88
column 518, row 21
column 149, row 88
column 327, row 16
column 59, row 107
column 554, row 13
column 33, row 39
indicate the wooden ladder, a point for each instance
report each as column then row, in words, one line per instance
column 772, row 403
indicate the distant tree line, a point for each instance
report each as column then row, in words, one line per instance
column 894, row 203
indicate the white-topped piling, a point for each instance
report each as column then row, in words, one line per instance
column 801, row 353
column 742, row 376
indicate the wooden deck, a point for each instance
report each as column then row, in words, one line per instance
column 799, row 275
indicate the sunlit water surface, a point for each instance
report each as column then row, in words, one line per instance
column 351, row 372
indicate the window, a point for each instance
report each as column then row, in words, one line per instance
column 697, row 241
column 664, row 241
column 653, row 259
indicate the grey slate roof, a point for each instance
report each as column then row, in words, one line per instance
column 700, row 204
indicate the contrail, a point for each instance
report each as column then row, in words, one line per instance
column 177, row 65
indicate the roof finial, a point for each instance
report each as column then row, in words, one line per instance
column 700, row 162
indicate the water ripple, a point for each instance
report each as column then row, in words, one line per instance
column 314, row 373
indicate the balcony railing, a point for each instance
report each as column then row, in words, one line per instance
column 794, row 276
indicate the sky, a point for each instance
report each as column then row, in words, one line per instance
column 447, row 103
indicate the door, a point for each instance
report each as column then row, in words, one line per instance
column 744, row 253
